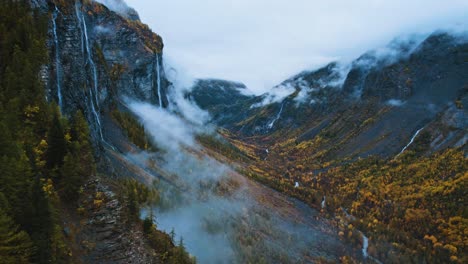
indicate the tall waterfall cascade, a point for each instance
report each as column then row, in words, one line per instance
column 94, row 97
column 158, row 80
column 270, row 126
column 58, row 76
column 411, row 141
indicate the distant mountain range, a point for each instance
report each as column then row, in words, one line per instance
column 374, row 106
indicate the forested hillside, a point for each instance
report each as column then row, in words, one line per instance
column 39, row 148
column 49, row 184
column 98, row 154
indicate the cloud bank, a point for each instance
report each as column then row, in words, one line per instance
column 172, row 130
column 118, row 6
column 263, row 42
column 216, row 211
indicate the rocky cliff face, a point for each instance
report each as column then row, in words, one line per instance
column 98, row 57
column 225, row 100
column 374, row 106
column 103, row 231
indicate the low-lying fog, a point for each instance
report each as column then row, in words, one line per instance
column 220, row 214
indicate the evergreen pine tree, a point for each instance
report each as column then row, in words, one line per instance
column 57, row 144
column 72, row 179
column 15, row 245
column 82, row 147
column 42, row 223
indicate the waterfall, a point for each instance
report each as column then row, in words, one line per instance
column 411, row 141
column 57, row 58
column 85, row 46
column 323, row 202
column 80, row 25
column 365, row 245
column 90, row 60
column 96, row 115
column 270, row 126
column 365, row 240
column 94, row 97
column 158, row 81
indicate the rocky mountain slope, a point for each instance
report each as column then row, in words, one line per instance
column 101, row 230
column 379, row 145
column 411, row 100
column 374, row 106
column 98, row 57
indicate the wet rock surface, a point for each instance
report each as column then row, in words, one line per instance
column 104, row 235
column 103, row 57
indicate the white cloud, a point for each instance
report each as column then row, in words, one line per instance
column 103, row 30
column 118, row 6
column 181, row 84
column 263, row 42
column 168, row 130
column 276, row 95
column 395, row 102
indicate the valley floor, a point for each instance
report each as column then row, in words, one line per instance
column 226, row 217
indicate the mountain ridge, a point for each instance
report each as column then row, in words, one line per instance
column 420, row 85
column 374, row 152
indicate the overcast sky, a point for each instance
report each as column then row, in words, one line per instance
column 262, row 42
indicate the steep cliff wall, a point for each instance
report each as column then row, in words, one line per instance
column 99, row 57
